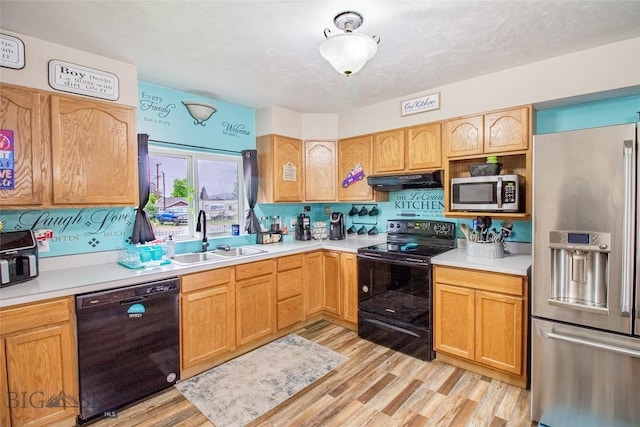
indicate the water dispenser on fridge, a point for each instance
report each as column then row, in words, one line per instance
column 580, row 270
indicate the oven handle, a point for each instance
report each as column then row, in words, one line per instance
column 391, row 327
column 412, row 262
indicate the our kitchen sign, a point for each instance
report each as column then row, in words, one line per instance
column 421, row 104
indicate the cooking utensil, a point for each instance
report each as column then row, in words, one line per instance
column 466, row 231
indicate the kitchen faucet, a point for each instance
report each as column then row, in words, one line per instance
column 202, row 226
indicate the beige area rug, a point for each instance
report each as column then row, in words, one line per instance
column 237, row 392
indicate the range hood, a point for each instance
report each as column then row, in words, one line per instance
column 431, row 179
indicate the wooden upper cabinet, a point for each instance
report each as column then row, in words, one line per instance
column 464, row 137
column 355, row 163
column 20, row 113
column 93, row 152
column 280, row 169
column 320, row 171
column 424, row 147
column 388, row 151
column 496, row 132
column 506, row 130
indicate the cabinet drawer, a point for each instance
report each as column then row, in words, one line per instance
column 290, row 312
column 34, row 315
column 495, row 282
column 192, row 282
column 289, row 284
column 252, row 269
column 289, row 262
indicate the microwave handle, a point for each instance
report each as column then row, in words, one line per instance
column 499, row 193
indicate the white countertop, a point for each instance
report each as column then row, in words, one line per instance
column 80, row 274
column 517, row 264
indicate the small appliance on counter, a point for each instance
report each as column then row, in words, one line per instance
column 303, row 227
column 18, row 257
column 337, row 228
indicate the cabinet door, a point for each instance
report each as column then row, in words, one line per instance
column 424, row 147
column 20, row 113
column 208, row 324
column 42, row 369
column 454, row 320
column 354, row 165
column 464, row 137
column 313, row 283
column 255, row 308
column 5, row 418
column 349, row 268
column 499, row 331
column 388, row 151
column 506, row 130
column 94, row 153
column 320, row 171
column 332, row 286
column 287, row 153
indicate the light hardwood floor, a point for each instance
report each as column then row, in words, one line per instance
column 374, row 387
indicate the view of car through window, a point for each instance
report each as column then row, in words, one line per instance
column 183, row 183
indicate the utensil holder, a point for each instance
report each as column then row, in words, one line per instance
column 491, row 250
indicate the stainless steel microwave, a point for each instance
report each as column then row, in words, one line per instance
column 493, row 193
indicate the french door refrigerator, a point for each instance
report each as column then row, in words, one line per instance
column 585, row 324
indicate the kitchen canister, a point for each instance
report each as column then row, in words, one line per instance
column 484, row 250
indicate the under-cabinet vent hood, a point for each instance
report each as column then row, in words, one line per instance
column 431, row 179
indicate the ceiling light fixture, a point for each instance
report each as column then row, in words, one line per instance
column 199, row 111
column 348, row 52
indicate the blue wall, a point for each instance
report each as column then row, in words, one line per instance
column 588, row 115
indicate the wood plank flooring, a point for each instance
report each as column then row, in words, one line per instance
column 375, row 387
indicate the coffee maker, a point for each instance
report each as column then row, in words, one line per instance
column 337, row 227
column 303, row 227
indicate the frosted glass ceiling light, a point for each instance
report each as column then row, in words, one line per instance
column 348, row 52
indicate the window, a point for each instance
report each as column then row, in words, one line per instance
column 185, row 182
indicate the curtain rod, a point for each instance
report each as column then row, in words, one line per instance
column 195, row 146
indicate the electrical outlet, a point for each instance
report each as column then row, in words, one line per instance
column 327, row 210
column 307, row 208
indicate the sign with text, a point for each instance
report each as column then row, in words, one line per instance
column 11, row 52
column 72, row 78
column 420, row 105
column 7, row 162
column 418, row 203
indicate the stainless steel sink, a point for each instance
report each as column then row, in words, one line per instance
column 238, row 252
column 196, row 257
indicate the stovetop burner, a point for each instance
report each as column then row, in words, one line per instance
column 417, row 239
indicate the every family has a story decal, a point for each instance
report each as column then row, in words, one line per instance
column 75, row 230
column 177, row 117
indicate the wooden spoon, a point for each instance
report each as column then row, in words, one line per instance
column 466, row 231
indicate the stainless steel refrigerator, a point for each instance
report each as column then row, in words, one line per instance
column 585, row 325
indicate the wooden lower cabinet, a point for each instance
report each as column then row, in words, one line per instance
column 289, row 291
column 255, row 301
column 208, row 306
column 313, row 268
column 39, row 364
column 332, row 283
column 349, row 270
column 481, row 318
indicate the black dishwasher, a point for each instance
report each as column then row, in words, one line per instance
column 128, row 345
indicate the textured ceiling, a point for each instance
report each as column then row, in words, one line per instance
column 261, row 53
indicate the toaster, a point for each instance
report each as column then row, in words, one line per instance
column 18, row 257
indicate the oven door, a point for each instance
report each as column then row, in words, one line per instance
column 394, row 304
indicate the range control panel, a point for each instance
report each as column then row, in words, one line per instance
column 421, row 227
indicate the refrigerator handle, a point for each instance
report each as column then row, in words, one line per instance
column 628, row 228
column 594, row 344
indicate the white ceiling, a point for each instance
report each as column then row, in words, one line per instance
column 261, row 53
